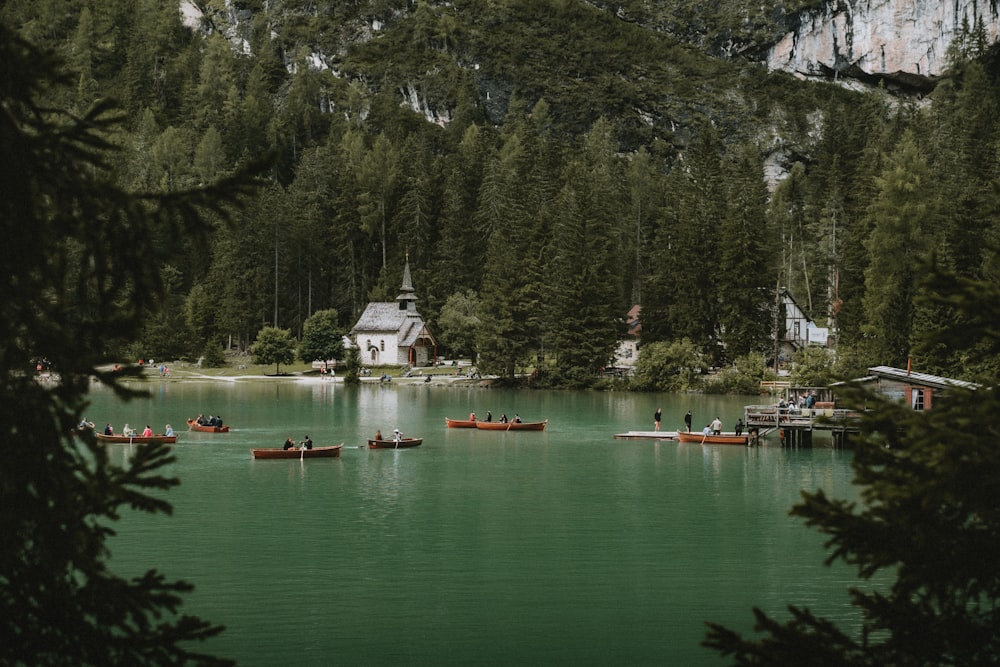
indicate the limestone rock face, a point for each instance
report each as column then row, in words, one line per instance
column 865, row 38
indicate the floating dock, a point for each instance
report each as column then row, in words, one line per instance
column 647, row 435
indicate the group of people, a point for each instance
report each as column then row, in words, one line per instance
column 397, row 435
column 202, row 420
column 132, row 433
column 712, row 428
column 503, row 417
column 305, row 444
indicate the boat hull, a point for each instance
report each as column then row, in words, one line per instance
column 721, row 439
column 136, row 439
column 459, row 423
column 332, row 451
column 512, row 426
column 392, row 444
column 195, row 426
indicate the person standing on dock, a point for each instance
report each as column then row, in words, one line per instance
column 657, row 416
column 687, row 421
column 716, row 426
column 739, row 426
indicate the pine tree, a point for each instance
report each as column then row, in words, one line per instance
column 59, row 493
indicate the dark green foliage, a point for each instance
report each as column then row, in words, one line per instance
column 70, row 285
column 928, row 513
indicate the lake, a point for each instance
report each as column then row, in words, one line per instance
column 558, row 547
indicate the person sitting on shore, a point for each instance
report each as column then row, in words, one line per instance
column 289, row 444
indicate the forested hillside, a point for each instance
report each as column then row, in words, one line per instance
column 543, row 165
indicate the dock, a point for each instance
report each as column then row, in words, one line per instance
column 647, row 435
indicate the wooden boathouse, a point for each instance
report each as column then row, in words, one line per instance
column 805, row 410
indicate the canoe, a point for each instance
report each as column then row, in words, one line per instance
column 392, row 444
column 511, row 426
column 136, row 439
column 460, row 423
column 721, row 439
column 332, row 451
column 195, row 426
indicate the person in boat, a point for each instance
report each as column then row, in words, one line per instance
column 397, row 435
column 657, row 417
column 378, row 434
column 307, row 443
column 201, row 421
column 687, row 421
column 108, row 430
column 147, row 432
column 707, row 430
column 289, row 444
column 517, row 418
column 169, row 431
column 489, row 416
column 716, row 426
column 472, row 416
column 128, row 430
column 503, row 418
column 84, row 425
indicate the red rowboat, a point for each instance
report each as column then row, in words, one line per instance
column 721, row 439
column 136, row 439
column 332, row 451
column 460, row 423
column 392, row 444
column 511, row 426
column 195, row 426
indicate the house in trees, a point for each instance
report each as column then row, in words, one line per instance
column 627, row 352
column 918, row 390
column 393, row 333
column 795, row 330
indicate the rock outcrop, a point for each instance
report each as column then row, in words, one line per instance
column 901, row 41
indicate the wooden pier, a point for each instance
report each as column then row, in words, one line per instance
column 647, row 435
column 795, row 426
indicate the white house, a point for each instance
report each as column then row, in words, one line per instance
column 393, row 333
column 799, row 331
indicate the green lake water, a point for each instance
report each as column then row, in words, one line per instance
column 565, row 547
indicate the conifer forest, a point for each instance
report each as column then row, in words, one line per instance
column 542, row 167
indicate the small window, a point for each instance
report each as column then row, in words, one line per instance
column 381, row 345
column 918, row 399
column 796, row 329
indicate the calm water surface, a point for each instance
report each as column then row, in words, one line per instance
column 560, row 547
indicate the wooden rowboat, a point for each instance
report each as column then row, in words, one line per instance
column 195, row 426
column 392, row 444
column 512, row 426
column 136, row 439
column 721, row 439
column 332, row 451
column 460, row 423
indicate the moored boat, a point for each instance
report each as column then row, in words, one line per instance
column 195, row 426
column 332, row 451
column 394, row 444
column 711, row 439
column 512, row 426
column 136, row 439
column 459, row 423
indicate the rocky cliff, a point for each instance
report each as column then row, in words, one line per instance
column 904, row 42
